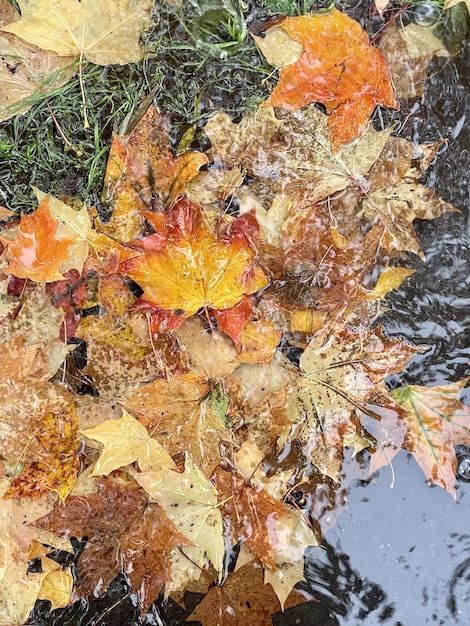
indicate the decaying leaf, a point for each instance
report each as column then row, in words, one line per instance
column 142, row 174
column 436, row 422
column 59, row 465
column 180, row 416
column 26, row 70
column 242, row 599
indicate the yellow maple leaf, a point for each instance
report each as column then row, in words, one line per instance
column 124, row 441
column 186, row 265
column 101, row 31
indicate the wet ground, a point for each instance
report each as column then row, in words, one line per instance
column 397, row 556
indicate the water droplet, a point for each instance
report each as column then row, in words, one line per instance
column 425, row 14
column 463, row 467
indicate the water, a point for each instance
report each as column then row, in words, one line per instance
column 396, row 556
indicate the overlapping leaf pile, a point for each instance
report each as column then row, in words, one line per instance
column 214, row 344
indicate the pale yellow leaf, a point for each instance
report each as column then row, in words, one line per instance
column 278, row 48
column 124, row 441
column 190, row 501
column 102, row 31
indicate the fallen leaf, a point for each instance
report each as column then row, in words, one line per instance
column 242, row 599
column 252, row 515
column 292, row 156
column 58, row 468
column 142, row 174
column 124, row 441
column 186, row 266
column 190, row 501
column 179, row 415
column 390, row 279
column 258, row 342
column 26, row 70
column 35, row 252
column 340, row 69
column 290, row 561
column 118, row 357
column 102, row 32
column 436, row 421
column 104, row 518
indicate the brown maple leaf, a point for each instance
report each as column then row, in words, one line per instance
column 177, row 412
column 119, row 524
column 242, row 599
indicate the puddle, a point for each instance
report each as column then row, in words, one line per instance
column 397, row 556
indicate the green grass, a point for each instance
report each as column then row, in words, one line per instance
column 187, row 78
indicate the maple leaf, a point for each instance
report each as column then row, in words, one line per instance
column 210, row 353
column 36, row 253
column 242, row 599
column 290, row 560
column 142, row 173
column 118, row 349
column 146, row 553
column 186, row 266
column 113, row 519
column 340, row 69
column 436, row 421
column 72, row 223
column 394, row 197
column 33, row 68
column 292, row 156
column 258, row 341
column 178, row 413
column 124, row 441
column 25, row 397
column 341, row 378
column 253, row 516
column 100, row 31
column 19, row 589
column 190, row 501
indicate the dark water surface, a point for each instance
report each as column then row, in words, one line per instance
column 397, row 556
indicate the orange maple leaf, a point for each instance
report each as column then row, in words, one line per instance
column 186, row 265
column 340, row 69
column 36, row 253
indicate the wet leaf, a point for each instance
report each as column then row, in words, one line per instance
column 101, row 31
column 340, row 69
column 104, row 518
column 179, row 414
column 142, row 174
column 36, row 252
column 186, row 266
column 124, row 441
column 292, row 156
column 190, row 501
column 35, row 70
column 436, row 421
column 58, row 468
column 242, row 599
